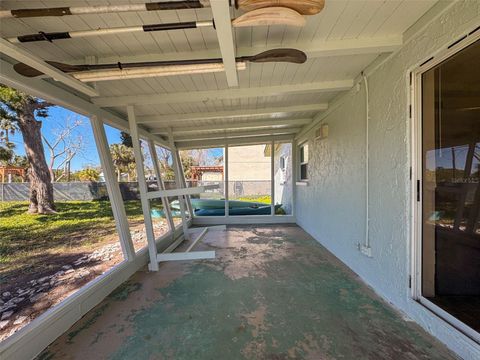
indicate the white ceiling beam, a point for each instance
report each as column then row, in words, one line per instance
column 250, row 140
column 213, row 95
column 272, row 112
column 223, row 27
column 35, row 62
column 313, row 49
column 348, row 47
column 238, row 134
column 245, row 125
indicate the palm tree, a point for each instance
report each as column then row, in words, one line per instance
column 7, row 128
column 123, row 159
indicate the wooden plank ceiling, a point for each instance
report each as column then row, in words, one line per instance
column 339, row 42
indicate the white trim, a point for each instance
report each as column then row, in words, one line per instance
column 313, row 49
column 229, row 94
column 35, row 62
column 294, row 177
column 225, row 181
column 194, row 255
column 29, row 341
column 272, row 178
column 417, row 169
column 267, row 113
column 302, row 183
column 179, row 182
column 244, row 219
column 300, row 163
column 142, row 186
column 161, row 186
column 115, row 196
column 180, row 191
column 252, row 140
column 256, row 124
column 61, row 97
column 199, row 238
column 223, row 26
column 453, row 321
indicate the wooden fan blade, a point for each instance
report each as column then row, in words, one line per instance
column 28, row 71
column 270, row 16
column 304, row 7
column 279, row 55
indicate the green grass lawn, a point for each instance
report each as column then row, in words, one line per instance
column 26, row 239
column 265, row 199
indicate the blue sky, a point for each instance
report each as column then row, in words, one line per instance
column 58, row 117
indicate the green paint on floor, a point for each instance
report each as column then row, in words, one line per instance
column 271, row 293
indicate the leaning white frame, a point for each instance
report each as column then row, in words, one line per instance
column 417, row 164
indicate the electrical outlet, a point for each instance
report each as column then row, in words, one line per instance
column 366, row 250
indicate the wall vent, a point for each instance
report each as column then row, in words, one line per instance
column 322, row 132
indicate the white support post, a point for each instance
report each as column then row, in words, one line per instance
column 272, row 178
column 142, row 185
column 178, row 183
column 225, row 189
column 113, row 189
column 161, row 186
column 294, row 176
column 184, row 183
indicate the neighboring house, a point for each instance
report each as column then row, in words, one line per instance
column 207, row 173
column 250, row 172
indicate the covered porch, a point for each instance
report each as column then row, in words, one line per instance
column 338, row 213
column 271, row 293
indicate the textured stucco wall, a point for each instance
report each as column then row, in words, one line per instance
column 332, row 207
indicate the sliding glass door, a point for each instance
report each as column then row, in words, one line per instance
column 450, row 190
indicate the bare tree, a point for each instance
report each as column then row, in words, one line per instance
column 63, row 148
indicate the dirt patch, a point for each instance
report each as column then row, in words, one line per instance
column 30, row 293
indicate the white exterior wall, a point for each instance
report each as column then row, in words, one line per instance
column 283, row 178
column 248, row 163
column 332, row 206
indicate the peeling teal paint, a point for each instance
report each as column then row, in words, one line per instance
column 88, row 321
column 295, row 301
column 122, row 292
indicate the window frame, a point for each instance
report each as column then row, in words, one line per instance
column 301, row 151
column 414, row 78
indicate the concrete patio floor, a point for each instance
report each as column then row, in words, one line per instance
column 272, row 293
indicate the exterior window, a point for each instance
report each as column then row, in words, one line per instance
column 304, row 162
